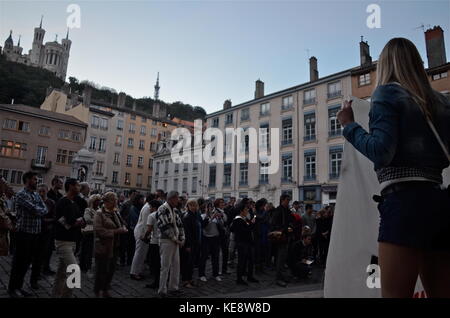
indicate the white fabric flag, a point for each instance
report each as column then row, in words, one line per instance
column 355, row 226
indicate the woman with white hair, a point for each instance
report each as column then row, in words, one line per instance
column 108, row 225
column 87, row 242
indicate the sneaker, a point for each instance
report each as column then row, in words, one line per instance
column 162, row 295
column 203, row 279
column 218, row 278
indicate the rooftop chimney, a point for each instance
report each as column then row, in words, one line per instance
column 313, row 72
column 434, row 41
column 364, row 53
column 259, row 89
column 121, row 100
column 87, row 93
column 227, row 104
column 134, row 105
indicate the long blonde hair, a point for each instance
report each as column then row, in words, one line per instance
column 400, row 62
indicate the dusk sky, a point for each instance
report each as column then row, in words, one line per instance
column 209, row 51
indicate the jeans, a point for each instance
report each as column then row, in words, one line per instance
column 65, row 251
column 137, row 267
column 26, row 247
column 37, row 262
column 170, row 263
column 87, row 249
column 104, row 272
column 245, row 260
column 210, row 246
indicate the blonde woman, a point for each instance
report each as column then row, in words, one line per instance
column 108, row 225
column 408, row 159
column 87, row 242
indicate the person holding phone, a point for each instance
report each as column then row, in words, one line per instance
column 108, row 226
column 408, row 141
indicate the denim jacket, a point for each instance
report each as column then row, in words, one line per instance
column 399, row 135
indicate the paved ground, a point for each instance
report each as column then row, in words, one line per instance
column 123, row 286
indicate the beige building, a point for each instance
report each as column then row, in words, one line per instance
column 38, row 140
column 121, row 139
column 310, row 148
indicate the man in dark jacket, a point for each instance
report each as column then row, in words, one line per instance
column 69, row 221
column 192, row 231
column 282, row 221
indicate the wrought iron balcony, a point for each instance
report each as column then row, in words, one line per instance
column 41, row 164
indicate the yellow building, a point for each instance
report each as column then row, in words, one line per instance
column 121, row 139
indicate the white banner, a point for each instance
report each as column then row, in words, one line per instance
column 354, row 236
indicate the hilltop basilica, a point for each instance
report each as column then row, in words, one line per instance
column 52, row 56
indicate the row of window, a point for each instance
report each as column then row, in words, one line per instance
column 176, row 186
column 309, row 97
column 142, row 130
column 176, row 167
column 335, row 129
column 23, row 126
column 12, row 176
column 127, row 179
column 99, row 123
column 335, row 157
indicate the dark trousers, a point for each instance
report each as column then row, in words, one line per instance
column 27, row 245
column 87, row 249
column 155, row 262
column 246, row 260
column 323, row 250
column 40, row 255
column 104, row 272
column 187, row 264
column 301, row 270
column 262, row 255
column 50, row 247
column 282, row 253
column 224, row 245
column 210, row 246
column 127, row 247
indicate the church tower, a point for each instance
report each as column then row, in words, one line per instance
column 9, row 44
column 66, row 43
column 37, row 50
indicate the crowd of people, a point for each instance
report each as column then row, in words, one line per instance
column 171, row 234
